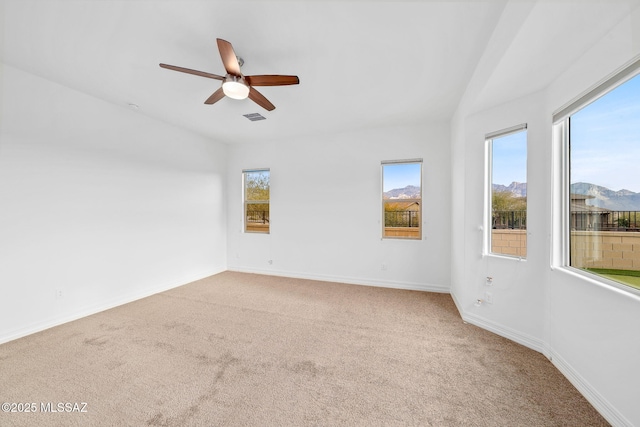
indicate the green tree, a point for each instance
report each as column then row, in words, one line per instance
column 508, row 210
column 507, row 201
column 257, row 186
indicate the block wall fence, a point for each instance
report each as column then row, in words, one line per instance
column 589, row 249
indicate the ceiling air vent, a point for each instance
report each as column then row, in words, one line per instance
column 254, row 117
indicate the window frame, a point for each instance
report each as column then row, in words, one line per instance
column 383, row 202
column 488, row 190
column 246, row 202
column 561, row 179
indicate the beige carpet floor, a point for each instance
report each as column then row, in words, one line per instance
column 249, row 350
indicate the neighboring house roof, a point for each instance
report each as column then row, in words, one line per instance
column 579, row 204
column 575, row 196
column 582, row 208
column 400, row 204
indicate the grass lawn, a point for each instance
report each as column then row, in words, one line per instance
column 628, row 277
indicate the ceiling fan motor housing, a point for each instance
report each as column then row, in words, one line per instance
column 235, row 87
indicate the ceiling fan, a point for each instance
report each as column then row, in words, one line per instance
column 236, row 85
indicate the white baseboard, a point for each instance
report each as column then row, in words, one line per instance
column 106, row 305
column 506, row 332
column 589, row 392
column 499, row 329
column 349, row 280
column 601, row 404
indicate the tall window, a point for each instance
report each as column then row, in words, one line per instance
column 601, row 133
column 402, row 199
column 256, row 200
column 507, row 178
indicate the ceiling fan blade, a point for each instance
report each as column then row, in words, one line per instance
column 190, row 71
column 259, row 99
column 272, row 80
column 229, row 58
column 215, row 97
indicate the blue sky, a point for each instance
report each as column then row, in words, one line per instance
column 400, row 175
column 605, row 143
column 510, row 159
column 605, row 147
column 605, row 140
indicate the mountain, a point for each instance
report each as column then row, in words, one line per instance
column 518, row 189
column 621, row 200
column 408, row 192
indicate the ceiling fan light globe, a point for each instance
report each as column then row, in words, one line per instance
column 235, row 89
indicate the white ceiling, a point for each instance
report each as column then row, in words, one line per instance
column 361, row 63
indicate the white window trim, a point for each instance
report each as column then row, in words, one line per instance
column 488, row 181
column 245, row 202
column 560, row 182
column 382, row 199
column 606, row 85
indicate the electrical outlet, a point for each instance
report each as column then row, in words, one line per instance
column 488, row 297
column 58, row 293
column 383, row 267
column 489, row 281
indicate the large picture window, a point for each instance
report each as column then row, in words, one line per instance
column 601, row 139
column 507, row 190
column 256, row 200
column 402, row 199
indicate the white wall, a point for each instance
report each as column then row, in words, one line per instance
column 326, row 209
column 589, row 330
column 518, row 289
column 99, row 203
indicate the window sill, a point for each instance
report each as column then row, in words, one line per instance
column 600, row 281
column 505, row 257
